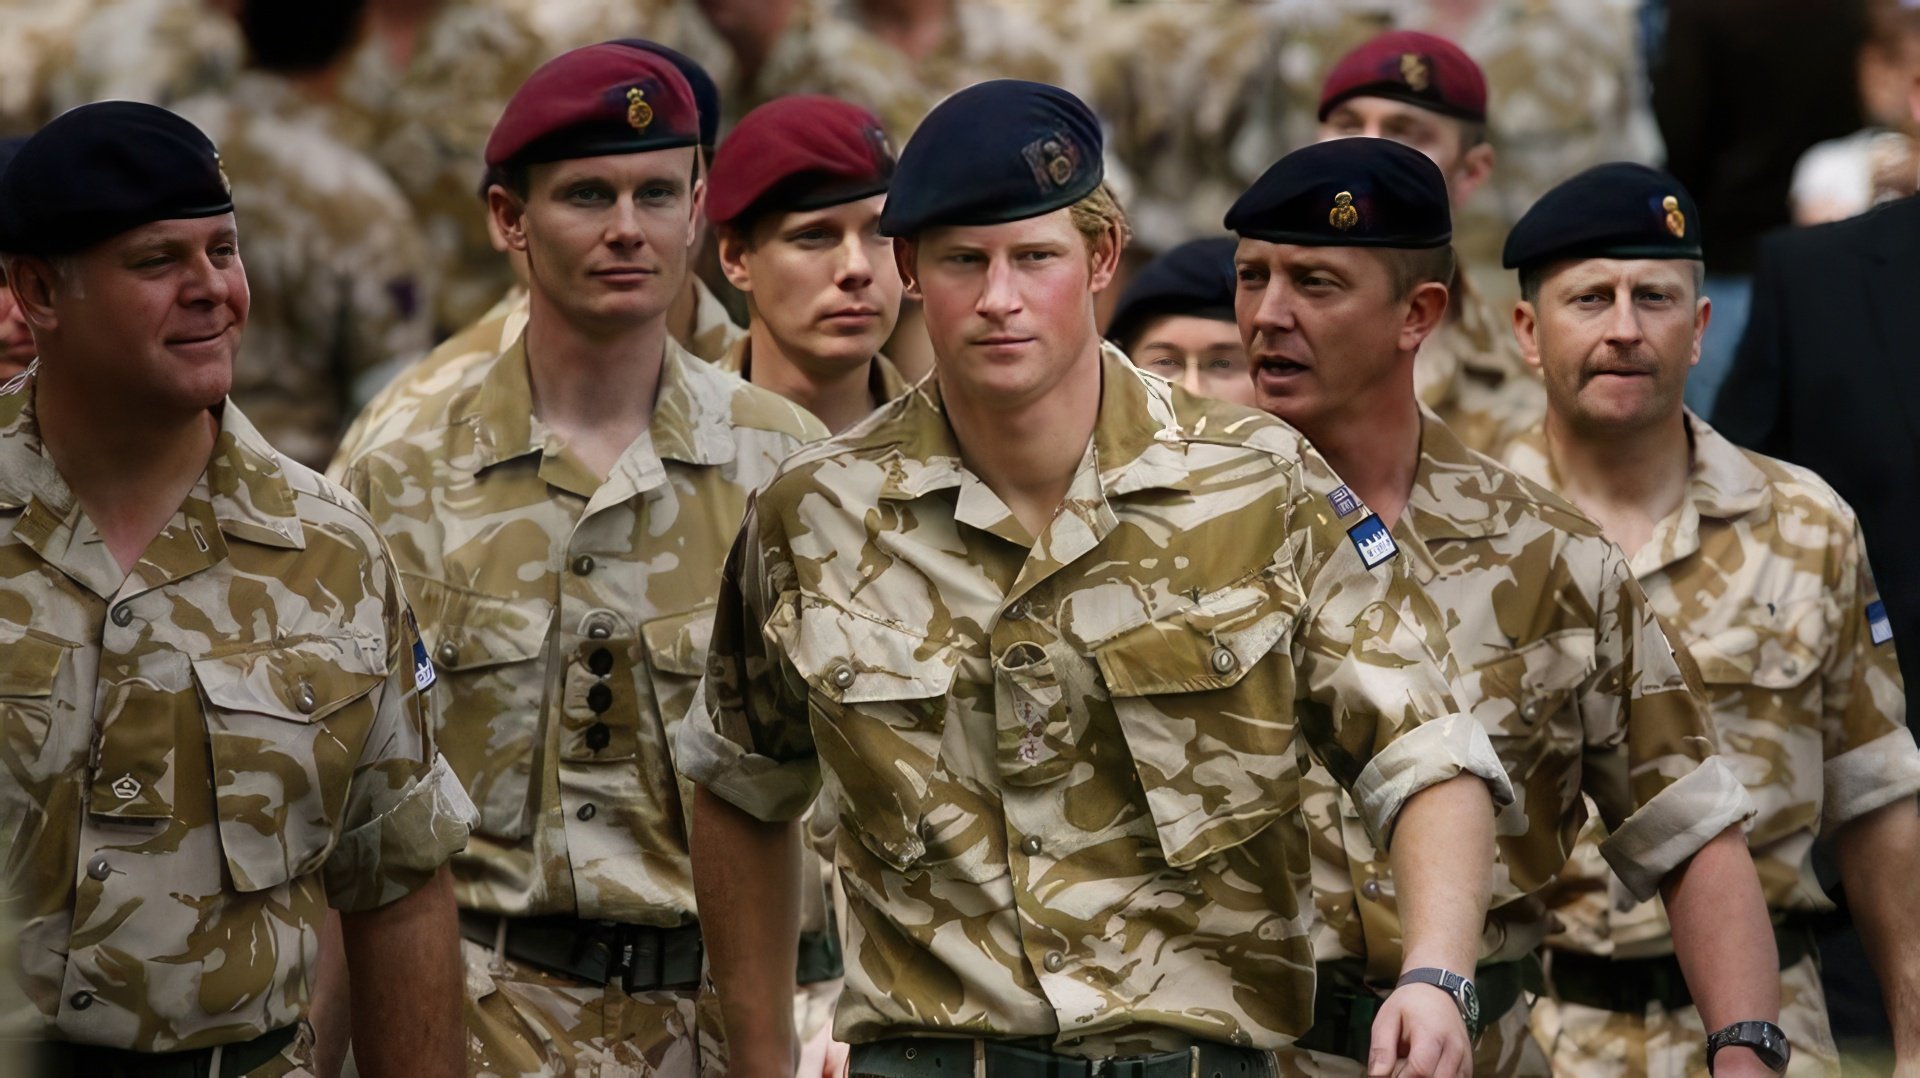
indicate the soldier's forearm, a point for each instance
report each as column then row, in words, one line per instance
column 404, row 959
column 1723, row 939
column 1879, row 856
column 1442, row 857
column 746, row 883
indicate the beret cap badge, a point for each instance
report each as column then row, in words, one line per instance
column 1343, row 216
column 1676, row 221
column 1416, row 72
column 1053, row 160
column 639, row 113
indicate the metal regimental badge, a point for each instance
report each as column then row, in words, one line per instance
column 1343, row 215
column 1676, row 221
column 1416, row 71
column 639, row 113
column 1053, row 159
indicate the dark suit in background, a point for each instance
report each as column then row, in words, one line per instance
column 1828, row 376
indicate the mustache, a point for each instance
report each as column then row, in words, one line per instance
column 1619, row 361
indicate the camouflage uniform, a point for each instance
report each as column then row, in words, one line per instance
column 1762, row 574
column 1035, row 839
column 1470, row 373
column 205, row 753
column 714, row 330
column 334, row 261
column 568, row 617
column 884, row 380
column 55, row 54
column 1556, row 652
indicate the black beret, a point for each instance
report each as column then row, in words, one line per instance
column 1195, row 278
column 101, row 169
column 996, row 151
column 706, row 95
column 1350, row 192
column 1618, row 210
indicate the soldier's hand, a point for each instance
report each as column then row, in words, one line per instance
column 1419, row 1034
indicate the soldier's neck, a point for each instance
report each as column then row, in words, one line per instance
column 594, row 386
column 1027, row 451
column 1627, row 481
column 838, row 398
column 129, row 468
column 1373, row 444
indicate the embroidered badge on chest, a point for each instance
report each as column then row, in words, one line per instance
column 1343, row 502
column 1371, row 539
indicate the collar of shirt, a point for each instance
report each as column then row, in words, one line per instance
column 1457, row 493
column 884, row 381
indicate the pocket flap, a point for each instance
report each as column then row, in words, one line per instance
column 1762, row 655
column 678, row 644
column 465, row 630
column 32, row 663
column 299, row 681
column 853, row 659
column 1209, row 646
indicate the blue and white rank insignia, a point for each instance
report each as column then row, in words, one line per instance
column 1371, row 539
column 423, row 677
column 1879, row 626
column 1343, row 502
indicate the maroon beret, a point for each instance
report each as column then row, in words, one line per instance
column 602, row 99
column 1406, row 65
column 802, row 152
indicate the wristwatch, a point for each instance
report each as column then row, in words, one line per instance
column 1460, row 988
column 1767, row 1040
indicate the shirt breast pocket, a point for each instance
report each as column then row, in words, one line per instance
column 285, row 728
column 488, row 652
column 1528, row 702
column 1206, row 715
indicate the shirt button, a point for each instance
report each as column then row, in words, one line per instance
column 600, row 662
column 99, row 868
column 841, row 675
column 448, row 654
column 599, row 630
column 586, row 812
column 582, row 565
column 1531, row 710
column 1021, row 610
column 1371, row 888
column 598, row 735
column 305, row 701
column 123, row 615
column 1030, row 845
column 80, row 1001
column 1055, row 961
column 1224, row 660
column 599, row 699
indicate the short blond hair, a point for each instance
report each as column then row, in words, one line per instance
column 1100, row 214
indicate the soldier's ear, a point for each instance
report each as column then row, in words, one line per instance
column 903, row 254
column 732, row 245
column 34, row 282
column 1525, row 326
column 506, row 218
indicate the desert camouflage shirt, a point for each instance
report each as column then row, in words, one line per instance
column 1557, row 653
column 205, row 753
column 884, row 380
column 1066, row 769
column 1470, row 373
column 567, row 617
column 335, row 264
column 1762, row 574
column 56, row 54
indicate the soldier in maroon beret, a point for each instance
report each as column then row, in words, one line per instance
column 796, row 195
column 1425, row 92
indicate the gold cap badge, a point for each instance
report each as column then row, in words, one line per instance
column 221, row 167
column 1414, row 69
column 1343, row 216
column 1676, row 221
column 639, row 113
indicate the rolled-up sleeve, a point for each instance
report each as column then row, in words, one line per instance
column 1870, row 756
column 1682, row 819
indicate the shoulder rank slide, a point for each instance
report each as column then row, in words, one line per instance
column 1371, row 539
column 1879, row 625
column 1343, row 502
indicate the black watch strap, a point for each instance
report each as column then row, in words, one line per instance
column 1768, row 1041
column 1465, row 996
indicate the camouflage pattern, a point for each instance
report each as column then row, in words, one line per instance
column 713, row 331
column 1470, row 373
column 1035, row 838
column 524, row 1021
column 1590, row 1043
column 334, row 260
column 1763, row 576
column 884, row 380
column 427, row 125
column 1557, row 654
column 56, row 54
column 205, row 753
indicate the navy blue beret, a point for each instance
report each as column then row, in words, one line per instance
column 1195, row 278
column 1618, row 210
column 706, row 95
column 101, row 169
column 996, row 151
column 1350, row 192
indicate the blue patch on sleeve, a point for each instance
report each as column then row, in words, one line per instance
column 1371, row 539
column 1879, row 626
column 1343, row 502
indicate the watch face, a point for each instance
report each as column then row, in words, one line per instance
column 1470, row 999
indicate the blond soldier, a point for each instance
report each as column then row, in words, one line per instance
column 1759, row 569
column 1343, row 251
column 559, row 514
column 987, row 618
column 335, row 262
column 796, row 197
column 1425, row 92
column 1176, row 320
column 218, row 710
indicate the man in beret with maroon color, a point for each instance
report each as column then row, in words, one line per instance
column 559, row 514
column 796, row 196
column 1425, row 92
